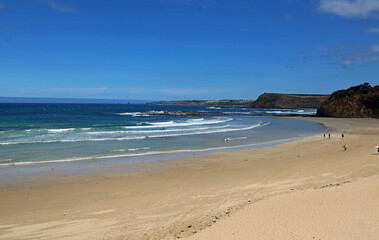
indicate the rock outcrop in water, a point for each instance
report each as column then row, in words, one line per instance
column 278, row 100
column 205, row 102
column 358, row 101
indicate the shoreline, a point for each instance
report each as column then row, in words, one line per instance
column 163, row 199
column 135, row 160
column 78, row 166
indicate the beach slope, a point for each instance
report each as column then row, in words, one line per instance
column 311, row 188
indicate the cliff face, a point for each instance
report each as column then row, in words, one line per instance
column 359, row 101
column 277, row 100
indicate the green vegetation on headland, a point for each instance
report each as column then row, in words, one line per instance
column 357, row 101
column 278, row 100
column 266, row 100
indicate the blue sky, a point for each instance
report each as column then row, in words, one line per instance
column 186, row 49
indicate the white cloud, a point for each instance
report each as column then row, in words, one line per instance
column 287, row 16
column 347, row 63
column 191, row 91
column 85, row 91
column 346, row 56
column 180, row 7
column 60, row 7
column 108, row 92
column 375, row 48
column 373, row 30
column 350, row 9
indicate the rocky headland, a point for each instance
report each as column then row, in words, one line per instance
column 278, row 100
column 358, row 102
column 266, row 100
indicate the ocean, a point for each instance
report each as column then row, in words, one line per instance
column 33, row 134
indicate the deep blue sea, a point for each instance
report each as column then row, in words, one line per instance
column 48, row 133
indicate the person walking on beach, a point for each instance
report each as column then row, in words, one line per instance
column 345, row 147
column 324, row 135
column 342, row 135
column 329, row 135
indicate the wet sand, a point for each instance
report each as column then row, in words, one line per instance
column 293, row 188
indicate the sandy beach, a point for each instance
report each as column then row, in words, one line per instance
column 306, row 189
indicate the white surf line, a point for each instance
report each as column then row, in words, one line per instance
column 153, row 153
column 155, row 131
column 135, row 137
column 178, row 124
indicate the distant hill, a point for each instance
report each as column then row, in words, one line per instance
column 69, row 100
column 357, row 101
column 205, row 102
column 266, row 100
column 278, row 100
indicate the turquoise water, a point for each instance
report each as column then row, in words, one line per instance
column 52, row 133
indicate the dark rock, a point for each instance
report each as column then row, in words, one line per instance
column 358, row 102
column 278, row 100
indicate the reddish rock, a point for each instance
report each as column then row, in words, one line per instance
column 358, row 102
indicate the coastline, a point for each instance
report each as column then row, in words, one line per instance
column 177, row 198
column 339, row 210
column 130, row 161
column 85, row 166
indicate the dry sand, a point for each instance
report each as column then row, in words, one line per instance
column 349, row 211
column 307, row 189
